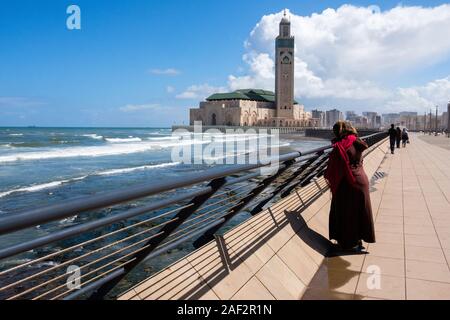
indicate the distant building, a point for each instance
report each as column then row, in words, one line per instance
column 333, row 116
column 391, row 118
column 371, row 119
column 319, row 117
column 444, row 121
column 378, row 122
column 256, row 107
column 350, row 116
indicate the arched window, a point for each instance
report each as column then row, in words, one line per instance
column 213, row 119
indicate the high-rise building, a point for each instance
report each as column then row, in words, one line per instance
column 333, row 116
column 391, row 118
column 350, row 116
column 320, row 117
column 371, row 119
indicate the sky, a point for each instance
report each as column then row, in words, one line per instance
column 144, row 63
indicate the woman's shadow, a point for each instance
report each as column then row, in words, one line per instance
column 314, row 239
column 334, row 272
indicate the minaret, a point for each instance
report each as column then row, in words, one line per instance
column 284, row 70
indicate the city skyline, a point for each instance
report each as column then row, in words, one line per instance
column 128, row 63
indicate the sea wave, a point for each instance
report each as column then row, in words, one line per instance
column 117, row 147
column 54, row 184
column 39, row 187
column 15, row 134
column 126, row 170
column 123, row 140
column 96, row 151
column 93, row 136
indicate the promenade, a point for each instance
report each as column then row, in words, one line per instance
column 283, row 253
column 412, row 221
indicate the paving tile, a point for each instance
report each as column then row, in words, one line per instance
column 420, row 230
column 427, row 271
column 435, row 255
column 179, row 281
column 293, row 255
column 387, row 266
column 381, row 286
column 389, row 227
column 129, row 295
column 320, row 294
column 427, row 290
column 253, row 290
column 422, row 241
column 345, row 262
column 418, row 221
column 343, row 281
column 281, row 282
column 389, row 237
column 387, row 250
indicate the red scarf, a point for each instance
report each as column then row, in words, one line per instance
column 339, row 164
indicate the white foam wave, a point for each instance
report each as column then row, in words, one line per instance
column 15, row 134
column 123, row 140
column 164, row 138
column 112, row 149
column 54, row 184
column 39, row 187
column 93, row 136
column 126, row 170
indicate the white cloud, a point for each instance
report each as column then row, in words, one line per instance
column 166, row 72
column 140, row 107
column 346, row 57
column 347, row 53
column 170, row 89
column 197, row 92
column 422, row 98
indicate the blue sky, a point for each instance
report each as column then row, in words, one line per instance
column 143, row 63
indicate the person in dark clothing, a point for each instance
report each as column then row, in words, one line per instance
column 399, row 137
column 351, row 219
column 392, row 137
column 405, row 137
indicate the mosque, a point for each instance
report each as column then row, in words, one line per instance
column 257, row 107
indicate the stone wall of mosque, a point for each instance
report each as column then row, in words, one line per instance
column 232, row 113
column 247, row 113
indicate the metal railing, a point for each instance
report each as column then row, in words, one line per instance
column 111, row 237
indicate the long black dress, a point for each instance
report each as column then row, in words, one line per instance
column 351, row 217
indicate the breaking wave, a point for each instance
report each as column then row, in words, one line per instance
column 54, row 184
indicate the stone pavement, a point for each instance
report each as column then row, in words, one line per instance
column 412, row 225
column 288, row 259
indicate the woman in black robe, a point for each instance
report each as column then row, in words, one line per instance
column 351, row 217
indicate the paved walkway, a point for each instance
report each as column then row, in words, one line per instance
column 412, row 253
column 287, row 259
column 440, row 141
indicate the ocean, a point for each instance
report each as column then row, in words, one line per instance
column 44, row 166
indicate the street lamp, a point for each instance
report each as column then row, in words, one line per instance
column 436, row 124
